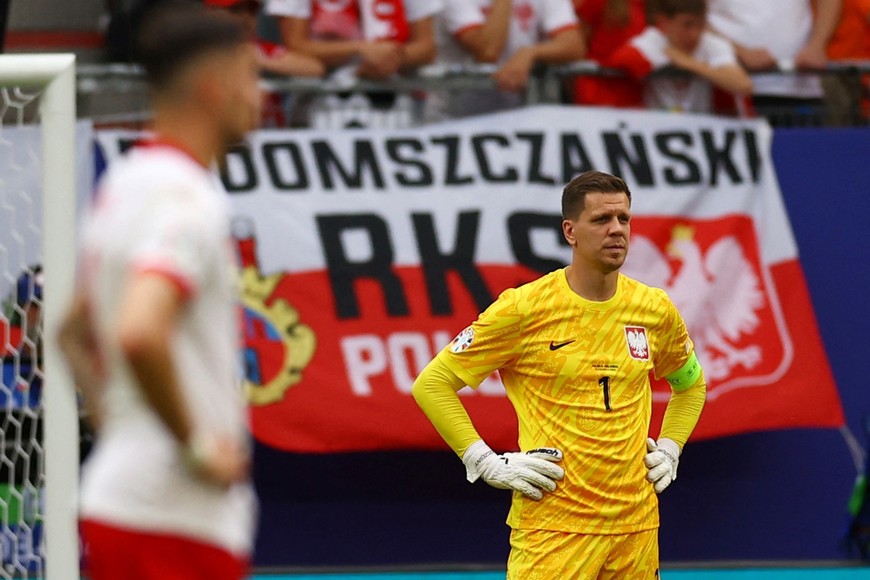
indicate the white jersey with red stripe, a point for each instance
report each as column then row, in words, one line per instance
column 340, row 19
column 160, row 211
column 649, row 53
column 531, row 22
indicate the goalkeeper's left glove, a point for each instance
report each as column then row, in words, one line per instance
column 661, row 460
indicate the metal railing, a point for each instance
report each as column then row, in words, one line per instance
column 116, row 93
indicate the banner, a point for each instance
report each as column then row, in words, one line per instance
column 364, row 252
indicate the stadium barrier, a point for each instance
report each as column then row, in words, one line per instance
column 114, row 94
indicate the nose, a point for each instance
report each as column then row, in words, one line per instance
column 616, row 227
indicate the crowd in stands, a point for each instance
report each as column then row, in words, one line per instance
column 734, row 57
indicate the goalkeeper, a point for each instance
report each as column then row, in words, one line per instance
column 574, row 350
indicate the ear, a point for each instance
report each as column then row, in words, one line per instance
column 568, row 232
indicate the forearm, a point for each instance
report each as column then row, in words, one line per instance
column 294, row 33
column 332, row 53
column 487, row 42
column 77, row 342
column 153, row 369
column 417, row 53
column 825, row 21
column 566, row 46
column 293, row 64
column 435, row 390
column 731, row 78
column 683, row 411
column 420, row 48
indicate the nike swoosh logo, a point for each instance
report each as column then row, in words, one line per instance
column 554, row 346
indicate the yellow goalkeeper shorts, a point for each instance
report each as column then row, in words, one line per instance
column 545, row 555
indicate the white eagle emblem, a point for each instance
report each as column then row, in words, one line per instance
column 462, row 341
column 638, row 347
column 717, row 292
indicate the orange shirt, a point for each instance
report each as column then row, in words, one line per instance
column 851, row 39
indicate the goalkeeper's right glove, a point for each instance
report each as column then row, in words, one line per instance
column 530, row 473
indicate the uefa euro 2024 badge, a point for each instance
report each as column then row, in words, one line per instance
column 462, row 341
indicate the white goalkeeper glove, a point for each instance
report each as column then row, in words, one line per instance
column 530, row 473
column 661, row 462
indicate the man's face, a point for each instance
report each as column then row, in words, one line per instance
column 599, row 235
column 683, row 31
column 240, row 74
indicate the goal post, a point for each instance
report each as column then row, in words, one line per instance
column 54, row 76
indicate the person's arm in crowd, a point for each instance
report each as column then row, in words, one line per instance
column 292, row 64
column 755, row 58
column 825, row 21
column 752, row 58
column 381, row 58
column 731, row 77
column 420, row 48
column 562, row 47
column 487, row 42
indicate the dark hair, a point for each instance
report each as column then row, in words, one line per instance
column 671, row 8
column 175, row 33
column 574, row 194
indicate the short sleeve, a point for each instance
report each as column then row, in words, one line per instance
column 557, row 15
column 630, row 59
column 177, row 243
column 489, row 344
column 651, row 45
column 460, row 15
column 419, row 9
column 718, row 52
column 291, row 8
column 674, row 345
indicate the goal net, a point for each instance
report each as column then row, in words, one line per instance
column 39, row 430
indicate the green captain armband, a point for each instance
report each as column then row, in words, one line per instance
column 684, row 378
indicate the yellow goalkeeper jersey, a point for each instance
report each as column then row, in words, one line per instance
column 578, row 375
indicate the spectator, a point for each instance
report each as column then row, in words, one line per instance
column 336, row 33
column 846, row 93
column 607, row 25
column 780, row 33
column 274, row 58
column 373, row 39
column 678, row 39
column 515, row 35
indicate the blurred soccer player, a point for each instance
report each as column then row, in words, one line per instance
column 574, row 350
column 151, row 335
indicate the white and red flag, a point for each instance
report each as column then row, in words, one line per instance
column 365, row 252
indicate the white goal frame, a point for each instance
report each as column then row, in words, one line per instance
column 55, row 75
